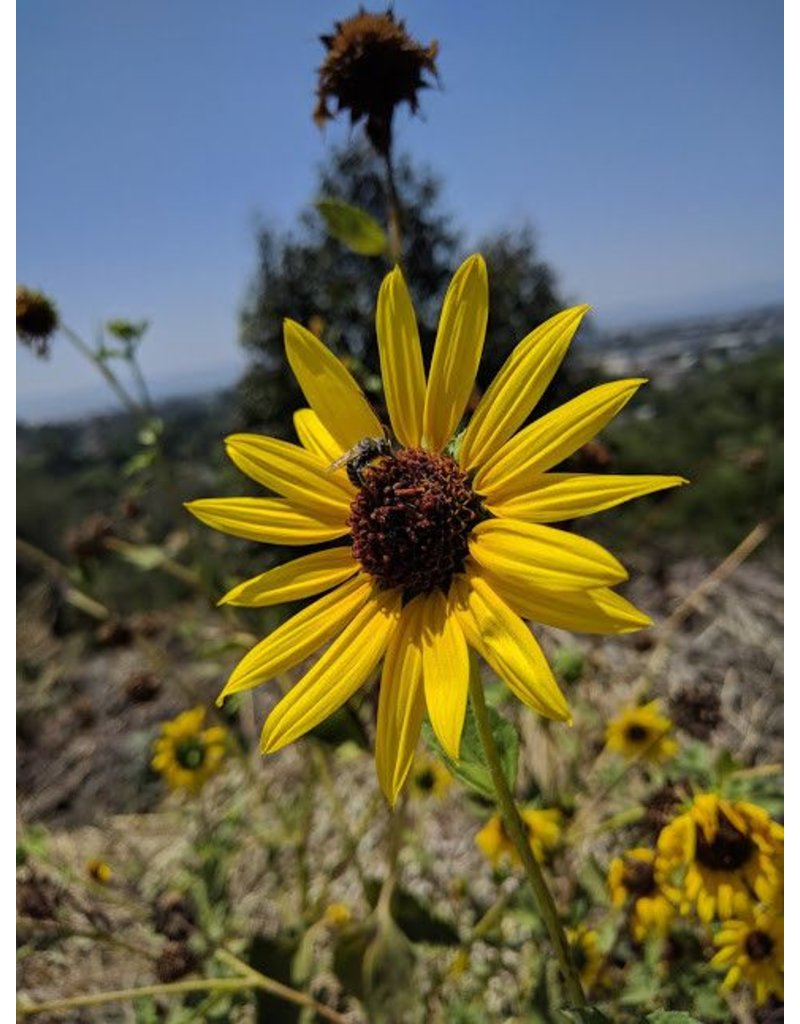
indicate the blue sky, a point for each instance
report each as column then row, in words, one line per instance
column 642, row 140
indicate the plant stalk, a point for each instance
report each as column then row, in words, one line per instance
column 515, row 828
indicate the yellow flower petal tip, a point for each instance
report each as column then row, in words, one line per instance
column 473, row 555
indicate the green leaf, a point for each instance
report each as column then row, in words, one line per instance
column 471, row 767
column 144, row 556
column 671, row 1017
column 353, row 227
column 568, row 664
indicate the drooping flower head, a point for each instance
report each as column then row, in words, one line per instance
column 186, row 754
column 719, row 855
column 542, row 830
column 445, row 546
column 37, row 319
column 641, row 732
column 631, row 880
column 371, row 66
column 751, row 950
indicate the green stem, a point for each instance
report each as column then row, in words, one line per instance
column 515, row 828
column 132, row 406
column 395, row 215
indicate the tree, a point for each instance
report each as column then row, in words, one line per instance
column 310, row 277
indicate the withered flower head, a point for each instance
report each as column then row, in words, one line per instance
column 37, row 318
column 372, row 65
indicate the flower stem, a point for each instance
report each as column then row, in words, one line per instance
column 514, row 826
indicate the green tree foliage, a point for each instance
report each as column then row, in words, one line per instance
column 309, row 276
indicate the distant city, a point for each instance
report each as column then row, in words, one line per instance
column 670, row 350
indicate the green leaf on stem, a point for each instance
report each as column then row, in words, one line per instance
column 353, row 227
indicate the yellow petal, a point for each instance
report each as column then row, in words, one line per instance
column 445, row 667
column 294, row 580
column 459, row 343
column 557, row 496
column 506, row 643
column 401, row 705
column 341, row 670
column 269, row 520
column 315, row 438
column 401, row 359
column 549, row 440
column 582, row 611
column 294, row 473
column 329, row 388
column 541, row 556
column 298, row 637
column 518, row 386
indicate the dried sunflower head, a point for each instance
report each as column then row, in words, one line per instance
column 37, row 319
column 371, row 66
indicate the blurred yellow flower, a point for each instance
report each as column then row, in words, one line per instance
column 631, row 877
column 542, row 829
column 641, row 732
column 337, row 915
column 446, row 547
column 186, row 754
column 586, row 955
column 719, row 855
column 751, row 950
column 98, row 870
column 429, row 777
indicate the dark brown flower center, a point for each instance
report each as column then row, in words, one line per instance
column 411, row 521
column 637, row 733
column 426, row 780
column 190, row 753
column 758, row 945
column 639, row 878
column 729, row 850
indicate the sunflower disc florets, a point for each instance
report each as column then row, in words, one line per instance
column 372, row 65
column 411, row 521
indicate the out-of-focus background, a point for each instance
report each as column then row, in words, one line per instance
column 621, row 154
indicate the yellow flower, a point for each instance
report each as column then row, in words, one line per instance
column 99, row 871
column 186, row 754
column 585, row 945
column 446, row 547
column 429, row 777
column 542, row 828
column 632, row 877
column 337, row 915
column 751, row 949
column 641, row 732
column 719, row 855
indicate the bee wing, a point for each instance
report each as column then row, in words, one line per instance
column 341, row 461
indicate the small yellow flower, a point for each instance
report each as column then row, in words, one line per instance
column 542, row 828
column 337, row 915
column 445, row 544
column 585, row 945
column 719, row 855
column 429, row 777
column 99, row 871
column 631, row 877
column 751, row 950
column 186, row 754
column 641, row 732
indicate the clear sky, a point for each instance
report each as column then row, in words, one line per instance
column 642, row 139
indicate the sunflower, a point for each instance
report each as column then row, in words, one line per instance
column 99, row 871
column 641, row 732
column 429, row 777
column 585, row 945
column 751, row 949
column 445, row 544
column 719, row 855
column 186, row 754
column 542, row 829
column 632, row 877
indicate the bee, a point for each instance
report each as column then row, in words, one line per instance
column 362, row 455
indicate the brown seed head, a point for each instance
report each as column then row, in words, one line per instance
column 37, row 318
column 372, row 65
